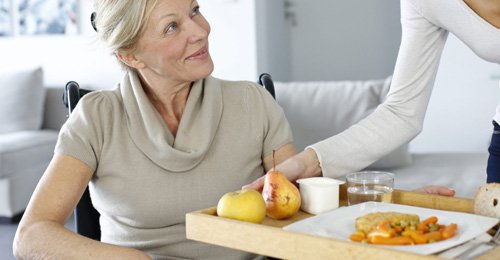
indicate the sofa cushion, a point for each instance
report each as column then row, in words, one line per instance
column 25, row 149
column 318, row 110
column 22, row 94
column 55, row 113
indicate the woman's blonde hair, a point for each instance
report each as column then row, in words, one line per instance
column 120, row 23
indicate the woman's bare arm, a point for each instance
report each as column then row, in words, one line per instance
column 294, row 166
column 41, row 233
column 280, row 155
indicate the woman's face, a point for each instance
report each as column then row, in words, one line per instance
column 174, row 45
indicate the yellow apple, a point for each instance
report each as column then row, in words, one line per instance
column 244, row 205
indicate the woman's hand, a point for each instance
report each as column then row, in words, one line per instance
column 437, row 190
column 303, row 165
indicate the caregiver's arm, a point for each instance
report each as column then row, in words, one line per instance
column 400, row 117
column 306, row 164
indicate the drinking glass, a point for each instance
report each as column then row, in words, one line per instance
column 369, row 186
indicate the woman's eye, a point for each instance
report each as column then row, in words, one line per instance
column 171, row 28
column 195, row 11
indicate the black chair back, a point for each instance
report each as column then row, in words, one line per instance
column 86, row 216
column 267, row 82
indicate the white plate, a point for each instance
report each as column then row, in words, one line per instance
column 340, row 224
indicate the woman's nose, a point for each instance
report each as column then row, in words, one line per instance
column 197, row 31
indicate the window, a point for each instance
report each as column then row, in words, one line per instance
column 38, row 17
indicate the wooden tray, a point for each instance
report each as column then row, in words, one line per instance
column 269, row 239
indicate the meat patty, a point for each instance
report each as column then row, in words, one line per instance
column 370, row 221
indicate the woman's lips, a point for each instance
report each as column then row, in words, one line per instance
column 199, row 55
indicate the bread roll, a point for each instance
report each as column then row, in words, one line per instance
column 487, row 200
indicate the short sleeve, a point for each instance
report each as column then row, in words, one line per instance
column 278, row 131
column 81, row 137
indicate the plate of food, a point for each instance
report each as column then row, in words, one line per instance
column 400, row 227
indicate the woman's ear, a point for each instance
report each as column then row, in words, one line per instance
column 130, row 59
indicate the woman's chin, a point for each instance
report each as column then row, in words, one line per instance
column 206, row 70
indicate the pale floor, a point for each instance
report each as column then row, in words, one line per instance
column 7, row 232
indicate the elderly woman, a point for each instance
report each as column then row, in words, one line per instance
column 168, row 140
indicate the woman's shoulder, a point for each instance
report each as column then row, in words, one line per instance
column 99, row 98
column 238, row 87
column 432, row 8
column 230, row 83
column 102, row 104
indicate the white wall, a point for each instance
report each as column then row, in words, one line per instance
column 342, row 40
column 77, row 58
column 64, row 58
column 233, row 46
column 233, row 40
column 248, row 37
column 273, row 39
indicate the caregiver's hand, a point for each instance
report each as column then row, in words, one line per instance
column 303, row 165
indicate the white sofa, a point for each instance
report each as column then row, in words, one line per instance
column 30, row 117
column 317, row 110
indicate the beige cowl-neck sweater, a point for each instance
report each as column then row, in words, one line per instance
column 146, row 180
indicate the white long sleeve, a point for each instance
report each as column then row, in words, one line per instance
column 425, row 25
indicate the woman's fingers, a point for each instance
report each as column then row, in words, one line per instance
column 256, row 185
column 437, row 190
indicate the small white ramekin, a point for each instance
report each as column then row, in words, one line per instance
column 319, row 194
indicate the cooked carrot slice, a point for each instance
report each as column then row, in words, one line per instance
column 422, row 226
column 441, row 227
column 418, row 237
column 427, row 231
column 430, row 220
column 433, row 236
column 356, row 237
column 407, row 233
column 385, row 227
column 449, row 231
column 390, row 240
column 398, row 229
